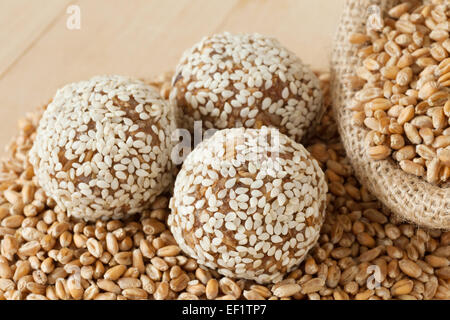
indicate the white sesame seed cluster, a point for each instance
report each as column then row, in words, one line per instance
column 249, row 203
column 246, row 80
column 103, row 147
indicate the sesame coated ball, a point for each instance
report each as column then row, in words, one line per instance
column 248, row 203
column 246, row 80
column 102, row 148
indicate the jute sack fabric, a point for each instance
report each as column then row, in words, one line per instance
column 406, row 195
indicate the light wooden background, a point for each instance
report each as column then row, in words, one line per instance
column 141, row 38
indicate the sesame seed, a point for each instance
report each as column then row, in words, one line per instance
column 230, row 183
column 230, row 226
column 257, row 184
column 124, row 97
column 102, row 184
column 242, row 198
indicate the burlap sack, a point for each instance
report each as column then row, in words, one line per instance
column 406, row 195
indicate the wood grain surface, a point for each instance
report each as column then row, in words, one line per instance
column 140, row 38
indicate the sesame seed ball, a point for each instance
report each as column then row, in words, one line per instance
column 246, row 80
column 102, row 148
column 248, row 203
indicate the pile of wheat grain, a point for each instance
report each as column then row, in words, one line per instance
column 363, row 252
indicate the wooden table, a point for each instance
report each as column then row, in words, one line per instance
column 140, row 38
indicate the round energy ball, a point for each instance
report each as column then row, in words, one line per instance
column 248, row 203
column 246, row 80
column 102, row 148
